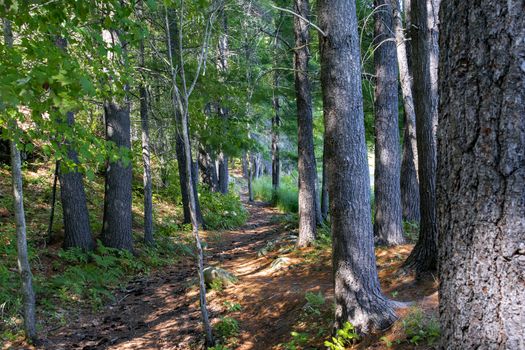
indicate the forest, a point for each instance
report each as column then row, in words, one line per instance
column 262, row 174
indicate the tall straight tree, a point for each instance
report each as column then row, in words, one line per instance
column 388, row 228
column 358, row 295
column 425, row 51
column 222, row 63
column 481, row 174
column 117, row 221
column 144, row 122
column 20, row 221
column 306, row 156
column 173, row 45
column 409, row 181
column 77, row 232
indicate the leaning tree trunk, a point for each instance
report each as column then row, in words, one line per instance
column 425, row 53
column 77, row 232
column 409, row 181
column 481, row 175
column 388, row 228
column 358, row 295
column 117, row 222
column 306, row 156
column 20, row 221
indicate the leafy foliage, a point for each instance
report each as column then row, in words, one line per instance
column 344, row 337
column 222, row 211
column 226, row 328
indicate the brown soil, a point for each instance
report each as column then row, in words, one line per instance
column 161, row 311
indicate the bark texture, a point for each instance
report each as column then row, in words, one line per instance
column 77, row 232
column 222, row 63
column 481, row 175
column 425, row 53
column 306, row 157
column 357, row 292
column 388, row 228
column 117, row 223
column 409, row 181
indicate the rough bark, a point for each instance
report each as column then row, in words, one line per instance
column 306, row 157
column 224, row 177
column 481, row 175
column 20, row 221
column 117, row 222
column 409, row 181
column 388, row 228
column 77, row 231
column 208, row 170
column 425, row 63
column 358, row 296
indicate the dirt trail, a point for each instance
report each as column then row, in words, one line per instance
column 161, row 311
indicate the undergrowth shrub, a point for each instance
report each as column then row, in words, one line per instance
column 226, row 328
column 222, row 211
column 420, row 328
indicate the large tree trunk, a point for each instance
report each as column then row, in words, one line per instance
column 357, row 292
column 306, row 156
column 324, row 191
column 425, row 53
column 409, row 181
column 117, row 223
column 77, row 232
column 388, row 228
column 20, row 221
column 481, row 175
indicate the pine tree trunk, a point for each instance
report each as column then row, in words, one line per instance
column 77, row 231
column 481, row 175
column 357, row 292
column 224, row 53
column 20, row 221
column 223, row 173
column 425, row 54
column 306, row 156
column 409, row 181
column 388, row 228
column 117, row 222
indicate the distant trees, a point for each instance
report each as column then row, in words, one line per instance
column 388, row 227
column 481, row 175
column 358, row 296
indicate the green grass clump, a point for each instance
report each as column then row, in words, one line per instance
column 285, row 197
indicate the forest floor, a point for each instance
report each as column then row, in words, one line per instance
column 161, row 311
